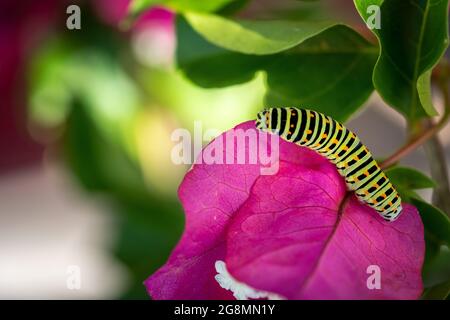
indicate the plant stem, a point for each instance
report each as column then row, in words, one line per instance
column 428, row 133
column 415, row 143
column 439, row 173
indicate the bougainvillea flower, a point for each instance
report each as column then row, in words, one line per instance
column 289, row 235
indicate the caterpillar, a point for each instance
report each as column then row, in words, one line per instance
column 340, row 146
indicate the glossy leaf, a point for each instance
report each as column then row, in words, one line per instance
column 330, row 72
column 436, row 269
column 409, row 178
column 438, row 292
column 138, row 6
column 413, row 36
column 435, row 221
column 254, row 37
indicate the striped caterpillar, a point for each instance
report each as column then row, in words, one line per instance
column 342, row 147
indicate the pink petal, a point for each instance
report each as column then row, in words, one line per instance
column 283, row 234
column 210, row 195
column 306, row 252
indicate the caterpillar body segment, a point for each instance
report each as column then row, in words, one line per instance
column 354, row 162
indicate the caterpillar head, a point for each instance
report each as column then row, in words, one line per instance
column 267, row 120
column 263, row 120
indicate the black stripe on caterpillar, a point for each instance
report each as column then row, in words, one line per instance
column 342, row 147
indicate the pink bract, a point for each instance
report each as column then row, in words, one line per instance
column 290, row 234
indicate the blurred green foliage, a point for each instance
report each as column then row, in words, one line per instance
column 148, row 225
column 117, row 114
column 88, row 86
column 79, row 81
column 138, row 6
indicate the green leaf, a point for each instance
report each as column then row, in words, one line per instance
column 425, row 96
column 413, row 37
column 233, row 7
column 436, row 222
column 330, row 72
column 138, row 6
column 438, row 292
column 409, row 178
column 254, row 37
column 147, row 233
column 436, row 268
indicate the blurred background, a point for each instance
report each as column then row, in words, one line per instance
column 86, row 116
